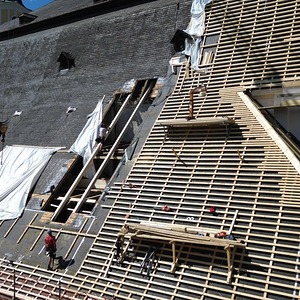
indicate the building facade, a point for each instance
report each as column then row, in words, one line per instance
column 10, row 10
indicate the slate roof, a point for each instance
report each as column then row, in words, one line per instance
column 105, row 49
column 61, row 12
column 51, row 10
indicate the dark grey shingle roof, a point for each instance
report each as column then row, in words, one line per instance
column 109, row 50
column 51, row 10
column 60, row 7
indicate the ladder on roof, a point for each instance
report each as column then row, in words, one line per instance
column 112, row 150
column 67, row 198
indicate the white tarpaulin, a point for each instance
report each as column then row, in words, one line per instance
column 20, row 168
column 195, row 29
column 85, row 141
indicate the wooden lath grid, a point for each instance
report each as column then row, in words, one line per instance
column 33, row 283
column 160, row 179
column 261, row 27
column 253, row 229
column 192, row 169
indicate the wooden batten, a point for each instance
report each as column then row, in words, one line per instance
column 205, row 121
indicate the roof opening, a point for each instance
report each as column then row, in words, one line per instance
column 68, row 200
column 178, row 40
column 66, row 60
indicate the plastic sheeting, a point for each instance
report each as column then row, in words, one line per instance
column 195, row 29
column 129, row 86
column 19, row 171
column 85, row 141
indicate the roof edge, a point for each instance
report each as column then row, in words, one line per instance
column 74, row 16
column 271, row 131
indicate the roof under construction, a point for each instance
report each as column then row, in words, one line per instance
column 192, row 193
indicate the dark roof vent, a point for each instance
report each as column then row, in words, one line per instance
column 66, row 60
column 25, row 18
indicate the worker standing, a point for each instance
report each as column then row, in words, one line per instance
column 50, row 245
column 102, row 134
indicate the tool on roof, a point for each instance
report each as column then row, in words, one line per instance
column 70, row 110
column 212, row 209
column 148, row 260
column 130, row 185
column 166, row 208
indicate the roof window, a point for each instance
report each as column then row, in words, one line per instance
column 209, row 49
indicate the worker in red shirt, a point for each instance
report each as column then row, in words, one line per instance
column 50, row 245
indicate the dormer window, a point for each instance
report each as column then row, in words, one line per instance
column 66, row 60
column 25, row 18
column 178, row 40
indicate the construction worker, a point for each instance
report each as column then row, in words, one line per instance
column 102, row 134
column 50, row 246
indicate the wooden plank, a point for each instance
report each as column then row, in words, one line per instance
column 144, row 231
column 197, row 122
column 110, row 153
column 174, row 264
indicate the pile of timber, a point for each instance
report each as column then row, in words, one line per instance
column 176, row 233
